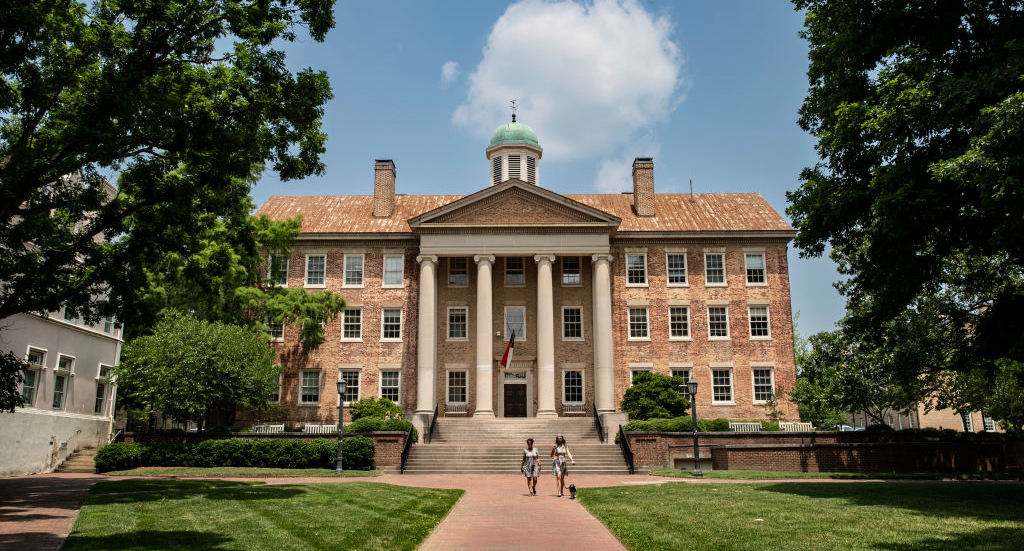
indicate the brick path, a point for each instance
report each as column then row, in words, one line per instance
column 36, row 512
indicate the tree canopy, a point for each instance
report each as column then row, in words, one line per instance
column 654, row 396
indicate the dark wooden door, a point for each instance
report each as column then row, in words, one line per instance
column 515, row 400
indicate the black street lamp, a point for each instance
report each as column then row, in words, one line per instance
column 692, row 387
column 339, row 468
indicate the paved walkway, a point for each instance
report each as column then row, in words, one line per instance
column 37, row 512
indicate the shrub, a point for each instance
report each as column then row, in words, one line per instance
column 376, row 424
column 118, row 456
column 372, row 407
column 652, row 396
column 357, row 453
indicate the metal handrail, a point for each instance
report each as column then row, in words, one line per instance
column 117, row 434
column 627, row 452
column 597, row 423
column 433, row 421
column 405, row 451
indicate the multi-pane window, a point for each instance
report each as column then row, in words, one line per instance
column 721, row 385
column 352, row 324
column 572, row 387
column 638, row 323
column 571, row 270
column 755, row 268
column 634, row 372
column 458, row 323
column 275, row 394
column 515, row 320
column 101, row 397
column 309, row 387
column 682, row 373
column 718, row 322
column 354, row 270
column 389, row 385
column 968, row 422
column 28, row 387
column 59, row 390
column 316, row 266
column 988, row 422
column 456, row 387
column 394, row 267
column 675, row 264
column 679, row 322
column 458, row 273
column 763, row 385
column 759, row 322
column 108, row 325
column 65, row 363
column 276, row 331
column 351, row 378
column 279, row 269
column 636, row 269
column 68, row 316
column 36, row 358
column 714, row 269
column 514, row 271
column 391, row 324
column 572, row 322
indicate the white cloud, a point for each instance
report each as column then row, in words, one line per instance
column 615, row 174
column 587, row 76
column 449, row 72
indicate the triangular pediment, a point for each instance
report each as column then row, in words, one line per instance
column 514, row 203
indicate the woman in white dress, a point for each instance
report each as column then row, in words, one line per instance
column 559, row 453
column 530, row 467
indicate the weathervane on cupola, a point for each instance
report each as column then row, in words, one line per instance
column 514, row 151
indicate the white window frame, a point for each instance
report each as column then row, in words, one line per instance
column 725, row 274
column 583, row 386
column 70, row 371
column 358, row 386
column 360, row 326
column 753, row 381
column 988, row 423
column 99, row 372
column 689, row 324
column 100, row 401
column 72, row 319
column 582, row 334
column 448, row 385
column 967, row 421
column 362, row 271
column 401, row 272
column 398, row 387
column 647, row 323
column 521, row 333
column 686, row 270
column 31, row 401
column 689, row 373
column 635, row 368
column 305, row 277
column 746, row 268
column 43, row 352
column 319, row 387
column 728, row 333
column 464, row 274
column 732, row 387
column 286, row 265
column 108, row 325
column 62, row 376
column 646, row 278
column 280, row 385
column 578, row 274
column 401, row 321
column 270, row 332
column 522, row 272
column 448, row 317
column 750, row 322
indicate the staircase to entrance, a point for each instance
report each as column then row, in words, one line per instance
column 495, row 446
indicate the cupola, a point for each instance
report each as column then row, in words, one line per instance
column 513, row 153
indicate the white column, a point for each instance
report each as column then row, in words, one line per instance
column 604, row 376
column 426, row 335
column 484, row 342
column 545, row 338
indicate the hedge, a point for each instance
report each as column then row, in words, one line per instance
column 238, row 452
column 685, row 424
column 377, row 424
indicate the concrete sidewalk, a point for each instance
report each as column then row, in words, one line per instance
column 37, row 512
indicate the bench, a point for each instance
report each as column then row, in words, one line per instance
column 796, row 427
column 574, row 409
column 745, row 427
column 455, row 409
column 266, row 429
column 320, row 429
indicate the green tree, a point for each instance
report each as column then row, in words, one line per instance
column 186, row 102
column 190, row 369
column 813, row 403
column 654, row 396
column 918, row 112
column 1006, row 399
column 11, row 369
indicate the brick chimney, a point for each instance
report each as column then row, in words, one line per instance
column 383, row 188
column 643, row 186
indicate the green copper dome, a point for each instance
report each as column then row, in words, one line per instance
column 514, row 132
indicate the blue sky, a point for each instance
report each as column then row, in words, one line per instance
column 710, row 89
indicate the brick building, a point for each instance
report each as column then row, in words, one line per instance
column 596, row 287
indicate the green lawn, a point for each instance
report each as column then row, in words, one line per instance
column 762, row 475
column 236, row 471
column 875, row 515
column 157, row 484
column 185, row 515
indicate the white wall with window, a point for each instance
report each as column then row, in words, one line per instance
column 394, row 270
column 353, row 270
column 714, row 269
column 316, row 270
column 639, row 326
column 572, row 323
column 636, row 269
column 458, row 323
column 721, row 385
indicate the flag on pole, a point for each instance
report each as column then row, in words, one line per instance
column 506, row 359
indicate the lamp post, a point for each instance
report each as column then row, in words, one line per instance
column 342, row 386
column 692, row 387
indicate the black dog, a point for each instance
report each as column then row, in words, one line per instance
column 572, row 491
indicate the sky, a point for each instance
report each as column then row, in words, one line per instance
column 709, row 88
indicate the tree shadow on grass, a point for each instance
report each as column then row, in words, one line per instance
column 989, row 538
column 244, row 493
column 982, row 501
column 172, row 540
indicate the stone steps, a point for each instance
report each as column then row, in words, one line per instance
column 81, row 461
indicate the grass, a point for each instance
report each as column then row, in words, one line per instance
column 151, row 485
column 770, row 475
column 187, row 515
column 869, row 515
column 235, row 471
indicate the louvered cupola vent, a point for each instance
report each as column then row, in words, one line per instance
column 513, row 167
